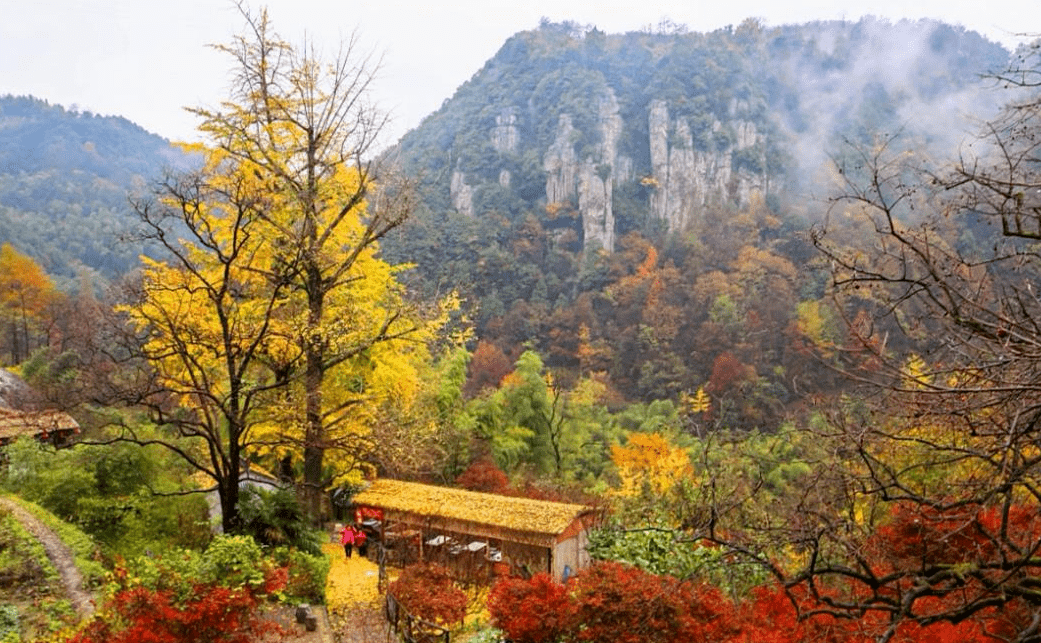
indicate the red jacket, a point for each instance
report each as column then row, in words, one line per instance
column 348, row 536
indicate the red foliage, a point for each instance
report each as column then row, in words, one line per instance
column 539, row 610
column 211, row 614
column 976, row 559
column 484, row 475
column 770, row 617
column 611, row 602
column 919, row 535
column 727, row 373
column 427, row 591
column 627, row 605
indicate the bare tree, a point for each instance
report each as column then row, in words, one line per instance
column 934, row 514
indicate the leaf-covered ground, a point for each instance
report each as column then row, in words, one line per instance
column 353, row 599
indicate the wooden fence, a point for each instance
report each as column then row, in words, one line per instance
column 410, row 628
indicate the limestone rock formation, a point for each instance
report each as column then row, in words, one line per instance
column 505, row 135
column 685, row 178
column 561, row 163
column 462, row 194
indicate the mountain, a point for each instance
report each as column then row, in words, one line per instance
column 623, row 128
column 634, row 206
column 65, row 177
column 631, row 206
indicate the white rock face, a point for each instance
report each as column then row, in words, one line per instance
column 589, row 182
column 594, row 205
column 462, row 195
column 561, row 163
column 687, row 179
column 505, row 135
column 13, row 391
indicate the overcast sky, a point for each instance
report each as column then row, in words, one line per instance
column 147, row 59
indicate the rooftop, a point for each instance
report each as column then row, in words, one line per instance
column 14, row 424
column 506, row 512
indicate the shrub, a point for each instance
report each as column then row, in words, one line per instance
column 211, row 614
column 306, row 574
column 611, row 602
column 538, row 610
column 427, row 591
column 274, row 518
column 212, row 597
column 233, row 561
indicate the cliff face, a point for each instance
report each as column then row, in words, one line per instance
column 686, row 179
column 643, row 129
column 683, row 178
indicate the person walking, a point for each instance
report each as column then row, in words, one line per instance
column 361, row 539
column 347, row 538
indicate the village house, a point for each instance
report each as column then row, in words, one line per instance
column 54, row 427
column 475, row 534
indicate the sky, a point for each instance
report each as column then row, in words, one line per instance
column 148, row 59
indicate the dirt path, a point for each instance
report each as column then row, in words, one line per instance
column 60, row 555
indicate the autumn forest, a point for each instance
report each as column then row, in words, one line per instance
column 764, row 299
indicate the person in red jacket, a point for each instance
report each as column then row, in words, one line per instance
column 348, row 535
column 361, row 539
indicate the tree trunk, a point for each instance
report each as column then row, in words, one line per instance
column 314, row 432
column 228, row 489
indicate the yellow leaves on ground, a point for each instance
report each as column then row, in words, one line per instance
column 351, row 581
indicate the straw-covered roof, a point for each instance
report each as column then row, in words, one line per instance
column 470, row 507
column 14, row 423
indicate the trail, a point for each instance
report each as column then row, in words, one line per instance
column 60, row 556
column 353, row 598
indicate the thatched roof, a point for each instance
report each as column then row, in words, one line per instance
column 481, row 514
column 40, row 424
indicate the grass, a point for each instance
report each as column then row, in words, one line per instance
column 84, row 549
column 30, row 586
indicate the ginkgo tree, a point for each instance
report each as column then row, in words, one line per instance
column 275, row 327
column 204, row 319
column 305, row 128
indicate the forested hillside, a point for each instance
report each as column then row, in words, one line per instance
column 635, row 206
column 65, row 177
column 740, row 295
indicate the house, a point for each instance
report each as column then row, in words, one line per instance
column 475, row 533
column 46, row 426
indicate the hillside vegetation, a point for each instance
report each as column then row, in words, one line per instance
column 65, row 177
column 740, row 292
column 634, row 206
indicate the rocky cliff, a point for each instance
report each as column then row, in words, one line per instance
column 683, row 178
column 650, row 130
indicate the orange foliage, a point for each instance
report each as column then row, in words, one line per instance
column 488, row 366
column 727, row 373
column 485, row 476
